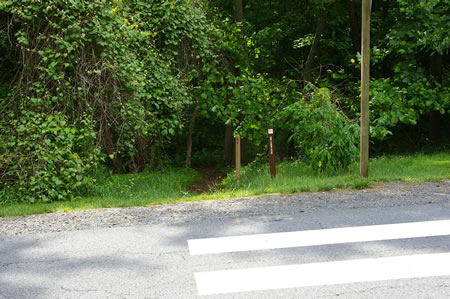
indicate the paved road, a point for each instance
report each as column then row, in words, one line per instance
column 336, row 253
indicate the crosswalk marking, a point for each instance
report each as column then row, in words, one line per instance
column 319, row 237
column 339, row 272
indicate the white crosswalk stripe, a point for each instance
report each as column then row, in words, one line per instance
column 317, row 274
column 319, row 237
column 325, row 273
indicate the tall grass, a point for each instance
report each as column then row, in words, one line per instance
column 298, row 177
column 144, row 188
column 291, row 177
column 121, row 190
column 170, row 186
column 418, row 167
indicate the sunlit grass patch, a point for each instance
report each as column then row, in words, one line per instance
column 171, row 186
column 292, row 177
column 122, row 190
column 418, row 167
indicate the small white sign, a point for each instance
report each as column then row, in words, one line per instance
column 270, row 131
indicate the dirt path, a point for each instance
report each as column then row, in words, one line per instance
column 209, row 179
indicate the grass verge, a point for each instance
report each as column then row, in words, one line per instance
column 170, row 186
column 121, row 190
column 296, row 177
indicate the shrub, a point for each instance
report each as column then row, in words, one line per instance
column 325, row 138
column 44, row 158
column 88, row 76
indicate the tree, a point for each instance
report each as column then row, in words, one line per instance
column 413, row 86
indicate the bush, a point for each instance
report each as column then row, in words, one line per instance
column 44, row 158
column 325, row 138
column 89, row 76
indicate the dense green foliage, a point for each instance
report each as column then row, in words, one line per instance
column 323, row 135
column 89, row 77
column 125, row 85
column 417, row 83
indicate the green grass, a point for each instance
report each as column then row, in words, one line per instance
column 122, row 190
column 170, row 186
column 413, row 168
column 295, row 176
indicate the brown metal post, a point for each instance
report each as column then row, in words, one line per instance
column 273, row 171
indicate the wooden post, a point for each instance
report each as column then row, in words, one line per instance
column 365, row 80
column 238, row 157
column 273, row 171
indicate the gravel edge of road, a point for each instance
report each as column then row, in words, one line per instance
column 384, row 195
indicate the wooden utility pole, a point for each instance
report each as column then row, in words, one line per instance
column 365, row 79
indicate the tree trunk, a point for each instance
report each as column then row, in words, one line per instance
column 355, row 27
column 111, row 149
column 190, row 133
column 140, row 161
column 435, row 116
column 228, row 139
column 314, row 51
column 228, row 143
column 244, row 142
column 160, row 158
column 238, row 11
column 436, row 66
column 355, row 33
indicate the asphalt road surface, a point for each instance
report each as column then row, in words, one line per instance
column 367, row 252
